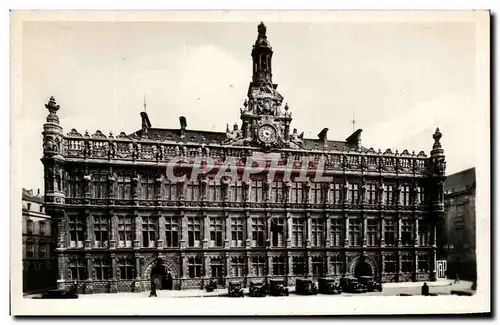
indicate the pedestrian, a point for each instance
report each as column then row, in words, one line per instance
column 457, row 279
column 152, row 293
column 425, row 289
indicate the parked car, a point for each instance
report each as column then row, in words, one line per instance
column 305, row 287
column 277, row 288
column 328, row 286
column 258, row 289
column 351, row 285
column 211, row 286
column 59, row 294
column 235, row 289
column 370, row 283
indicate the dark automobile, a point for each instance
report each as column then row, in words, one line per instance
column 211, row 286
column 352, row 285
column 277, row 288
column 235, row 289
column 328, row 286
column 258, row 289
column 59, row 294
column 305, row 287
column 370, row 283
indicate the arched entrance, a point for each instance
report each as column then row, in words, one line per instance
column 161, row 276
column 363, row 269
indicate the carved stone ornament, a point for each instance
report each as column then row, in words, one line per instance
column 52, row 107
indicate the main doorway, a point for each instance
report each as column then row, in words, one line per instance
column 363, row 269
column 161, row 277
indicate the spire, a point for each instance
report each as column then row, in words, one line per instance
column 261, row 56
column 353, row 123
column 145, row 103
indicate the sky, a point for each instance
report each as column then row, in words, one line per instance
column 399, row 80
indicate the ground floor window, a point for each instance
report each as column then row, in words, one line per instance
column 278, row 265
column 126, row 268
column 390, row 263
column 194, row 267
column 317, row 265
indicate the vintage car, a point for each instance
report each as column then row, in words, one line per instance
column 59, row 294
column 235, row 289
column 277, row 288
column 351, row 285
column 305, row 287
column 328, row 286
column 258, row 289
column 211, row 286
column 370, row 283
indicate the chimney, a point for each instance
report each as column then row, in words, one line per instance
column 146, row 124
column 323, row 136
column 355, row 138
column 183, row 123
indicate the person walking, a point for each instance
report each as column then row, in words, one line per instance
column 425, row 289
column 152, row 293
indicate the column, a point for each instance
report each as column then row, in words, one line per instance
column 184, row 231
column 346, row 231
column 137, row 282
column 160, row 233
column 113, row 231
column 382, row 231
column 248, row 228
column 415, row 267
column 88, row 231
column 269, row 265
column 62, row 230
column 288, row 240
column 308, row 230
column 113, row 287
column 206, row 269
column 88, row 284
column 364, row 223
column 227, row 231
column 268, row 230
column 326, row 231
column 326, row 266
column 415, row 231
column 206, row 231
column 309, row 264
column 399, row 230
column 137, row 227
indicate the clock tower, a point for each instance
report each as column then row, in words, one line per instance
column 265, row 121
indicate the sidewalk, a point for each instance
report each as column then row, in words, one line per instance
column 439, row 283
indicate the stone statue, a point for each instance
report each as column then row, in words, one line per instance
column 233, row 135
column 296, row 138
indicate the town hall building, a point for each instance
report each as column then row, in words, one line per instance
column 123, row 223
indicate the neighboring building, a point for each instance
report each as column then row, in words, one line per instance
column 459, row 236
column 39, row 269
column 122, row 222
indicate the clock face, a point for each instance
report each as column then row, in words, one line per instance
column 267, row 134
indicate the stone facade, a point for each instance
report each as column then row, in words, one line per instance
column 39, row 260
column 122, row 223
column 458, row 236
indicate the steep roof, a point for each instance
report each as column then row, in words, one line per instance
column 29, row 196
column 461, row 181
column 209, row 136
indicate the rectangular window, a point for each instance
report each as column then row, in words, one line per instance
column 75, row 185
column 389, row 232
column 194, row 232
column 316, row 193
column 317, row 266
column 148, row 182
column 277, row 231
column 276, row 192
column 257, row 191
column 298, row 265
column 423, row 263
column 192, row 191
column 148, row 232
column 216, row 267
column 77, row 269
column 42, row 227
column 259, row 265
column 336, row 262
column 238, row 266
column 236, row 192
column 102, row 269
column 124, row 189
column 371, row 194
column 354, row 232
column 297, row 232
column 171, row 232
column 337, row 193
column 278, row 265
column 171, row 191
column 30, row 227
column 407, row 263
column 406, row 232
column 76, row 230
column 404, row 198
column 30, row 248
column 258, row 230
column 126, row 267
column 423, row 233
column 354, row 193
column 388, row 195
column 125, row 233
column 42, row 249
column 296, row 192
column 317, row 232
column 194, row 267
column 237, row 229
column 99, row 185
column 390, row 263
column 216, row 231
column 213, row 191
column 372, row 232
column 101, row 231
column 421, row 195
column 336, row 237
